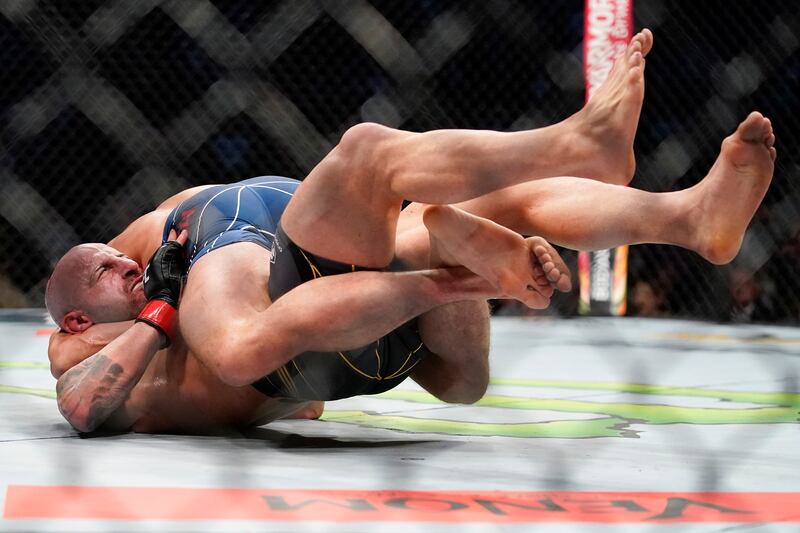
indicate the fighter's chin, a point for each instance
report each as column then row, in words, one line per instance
column 139, row 300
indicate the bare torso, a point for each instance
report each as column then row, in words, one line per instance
column 177, row 393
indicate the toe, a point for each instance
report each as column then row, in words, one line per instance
column 647, row 41
column 635, row 74
column 751, row 129
column 553, row 275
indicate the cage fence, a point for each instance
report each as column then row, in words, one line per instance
column 110, row 106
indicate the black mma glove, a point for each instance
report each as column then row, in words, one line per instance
column 163, row 279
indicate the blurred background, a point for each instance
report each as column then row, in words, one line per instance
column 110, row 106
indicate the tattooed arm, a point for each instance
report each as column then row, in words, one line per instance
column 91, row 391
column 67, row 350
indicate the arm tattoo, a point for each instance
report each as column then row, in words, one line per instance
column 98, row 380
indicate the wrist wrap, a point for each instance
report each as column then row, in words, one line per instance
column 162, row 316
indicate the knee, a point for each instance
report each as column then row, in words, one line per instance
column 230, row 371
column 478, row 382
column 466, row 391
column 474, row 393
column 236, row 359
column 364, row 136
column 468, row 382
column 366, row 145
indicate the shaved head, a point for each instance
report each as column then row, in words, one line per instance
column 63, row 293
column 96, row 280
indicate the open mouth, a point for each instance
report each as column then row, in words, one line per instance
column 137, row 282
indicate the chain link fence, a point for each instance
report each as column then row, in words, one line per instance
column 109, row 106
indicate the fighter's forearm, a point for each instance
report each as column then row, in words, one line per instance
column 91, row 391
column 327, row 314
column 68, row 350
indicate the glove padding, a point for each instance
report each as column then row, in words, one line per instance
column 163, row 276
column 163, row 279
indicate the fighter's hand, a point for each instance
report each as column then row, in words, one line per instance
column 163, row 280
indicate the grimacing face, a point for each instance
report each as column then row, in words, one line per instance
column 111, row 284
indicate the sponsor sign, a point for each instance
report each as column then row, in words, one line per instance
column 603, row 274
column 145, row 503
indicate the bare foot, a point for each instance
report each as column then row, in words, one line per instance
column 528, row 270
column 726, row 200
column 549, row 262
column 606, row 126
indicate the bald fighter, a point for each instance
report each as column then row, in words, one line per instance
column 233, row 335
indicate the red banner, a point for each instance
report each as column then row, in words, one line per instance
column 146, row 503
column 607, row 28
column 602, row 275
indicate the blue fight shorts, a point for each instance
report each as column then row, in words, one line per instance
column 249, row 211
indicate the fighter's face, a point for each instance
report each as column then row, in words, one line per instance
column 112, row 284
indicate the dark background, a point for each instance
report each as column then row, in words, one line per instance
column 109, row 107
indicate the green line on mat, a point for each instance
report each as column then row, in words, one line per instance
column 644, row 413
column 23, row 364
column 770, row 398
column 44, row 393
column 570, row 429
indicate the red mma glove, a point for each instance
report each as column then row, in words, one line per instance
column 163, row 279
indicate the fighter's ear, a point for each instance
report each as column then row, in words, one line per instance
column 76, row 322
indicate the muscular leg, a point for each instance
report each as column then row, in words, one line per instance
column 231, row 327
column 457, row 334
column 347, row 208
column 709, row 218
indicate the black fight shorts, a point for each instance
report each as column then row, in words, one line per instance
column 371, row 369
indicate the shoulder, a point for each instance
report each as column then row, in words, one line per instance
column 66, row 350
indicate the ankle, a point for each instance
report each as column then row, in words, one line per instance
column 455, row 284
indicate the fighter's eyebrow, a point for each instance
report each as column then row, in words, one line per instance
column 95, row 276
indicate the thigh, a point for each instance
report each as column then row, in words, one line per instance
column 458, row 335
column 345, row 210
column 225, row 288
